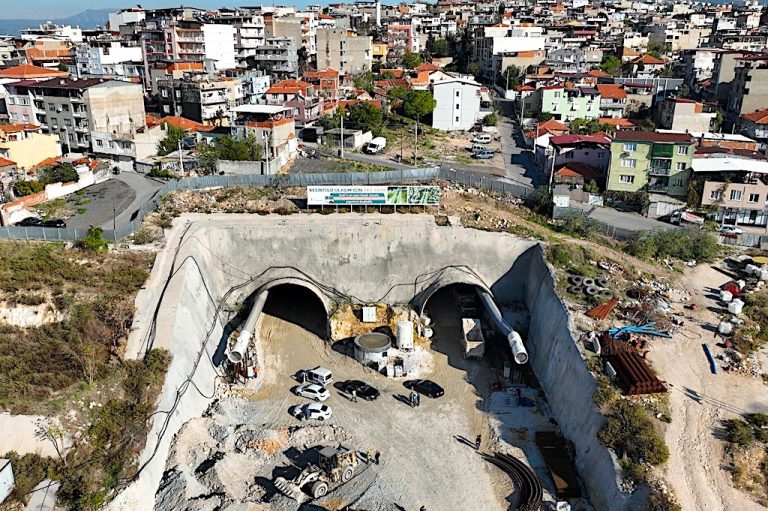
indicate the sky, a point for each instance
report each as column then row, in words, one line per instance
column 38, row 9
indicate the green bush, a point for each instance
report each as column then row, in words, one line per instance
column 63, row 173
column 630, row 432
column 28, row 470
column 541, row 201
column 94, row 240
column 683, row 243
column 756, row 309
column 738, row 432
column 22, row 188
column 490, row 120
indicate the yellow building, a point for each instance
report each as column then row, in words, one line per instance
column 379, row 51
column 27, row 145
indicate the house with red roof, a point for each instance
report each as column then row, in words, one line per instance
column 299, row 95
column 647, row 66
column 591, row 150
column 613, row 100
column 26, row 145
column 30, row 72
column 755, row 125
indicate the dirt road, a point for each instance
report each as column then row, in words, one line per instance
column 700, row 400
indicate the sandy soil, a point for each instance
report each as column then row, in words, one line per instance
column 700, row 400
column 424, row 459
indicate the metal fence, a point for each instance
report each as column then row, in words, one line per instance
column 744, row 240
column 562, row 213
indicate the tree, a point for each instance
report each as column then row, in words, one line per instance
column 363, row 81
column 94, row 241
column 545, row 116
column 364, row 116
column 684, row 91
column 438, row 47
column 591, row 186
column 590, row 126
column 490, row 120
column 411, row 60
column 22, row 188
column 397, row 92
column 418, row 103
column 473, row 68
column 717, row 122
column 63, row 173
column 170, row 143
column 510, row 77
column 666, row 72
column 63, row 67
column 611, row 65
column 230, row 148
column 330, row 121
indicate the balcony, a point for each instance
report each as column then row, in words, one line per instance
column 660, row 167
column 662, row 151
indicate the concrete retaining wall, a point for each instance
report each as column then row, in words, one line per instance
column 568, row 384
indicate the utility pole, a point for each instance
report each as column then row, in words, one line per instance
column 66, row 138
column 181, row 160
column 265, row 136
column 416, row 147
column 114, row 220
column 342, row 136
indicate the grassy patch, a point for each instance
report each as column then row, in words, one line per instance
column 573, row 258
column 57, row 208
column 683, row 244
column 631, row 433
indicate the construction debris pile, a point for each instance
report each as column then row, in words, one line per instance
column 623, row 361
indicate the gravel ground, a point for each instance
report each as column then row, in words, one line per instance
column 423, row 458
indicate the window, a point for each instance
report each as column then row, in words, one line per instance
column 51, row 107
column 677, row 182
column 111, row 144
column 68, row 123
column 629, row 163
column 10, row 100
column 458, row 107
column 736, row 195
column 65, row 107
column 557, row 94
column 99, row 142
column 626, row 179
column 682, row 149
column 164, row 93
column 12, row 116
column 54, row 122
column 25, row 117
column 458, row 93
column 681, row 165
column 754, row 197
column 715, row 194
column 457, row 119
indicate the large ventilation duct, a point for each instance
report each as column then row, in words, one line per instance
column 237, row 352
column 515, row 342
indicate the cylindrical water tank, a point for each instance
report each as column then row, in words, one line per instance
column 428, row 333
column 725, row 328
column 371, row 348
column 726, row 296
column 405, row 335
column 735, row 306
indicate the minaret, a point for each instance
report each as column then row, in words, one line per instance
column 378, row 13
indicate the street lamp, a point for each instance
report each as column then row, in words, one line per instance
column 343, row 115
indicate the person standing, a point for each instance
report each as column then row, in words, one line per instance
column 354, row 396
column 477, row 442
column 378, row 455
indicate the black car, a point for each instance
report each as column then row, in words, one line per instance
column 426, row 387
column 37, row 222
column 361, row 389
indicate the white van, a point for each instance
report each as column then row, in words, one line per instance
column 482, row 138
column 478, row 148
column 319, row 375
column 376, row 145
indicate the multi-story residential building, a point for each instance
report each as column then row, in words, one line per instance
column 650, row 161
column 273, row 125
column 737, row 186
column 344, row 51
column 749, row 91
column 501, row 40
column 755, row 125
column 249, row 31
column 27, row 145
column 325, row 81
column 592, row 150
column 131, row 16
column 566, row 104
column 697, row 64
column 49, row 53
column 458, row 104
column 402, row 39
column 647, row 66
column 199, row 98
column 678, row 36
column 108, row 60
column 51, row 31
column 301, row 96
column 613, row 100
column 682, row 114
column 278, row 57
column 78, row 110
column 723, row 74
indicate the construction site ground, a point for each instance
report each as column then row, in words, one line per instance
column 427, row 456
column 700, row 400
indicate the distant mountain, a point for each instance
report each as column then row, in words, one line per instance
column 86, row 19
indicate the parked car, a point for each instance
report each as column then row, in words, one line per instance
column 729, row 229
column 319, row 375
column 312, row 391
column 360, row 388
column 483, row 155
column 315, row 411
column 476, row 148
column 376, row 145
column 426, row 387
column 37, row 222
column 482, row 138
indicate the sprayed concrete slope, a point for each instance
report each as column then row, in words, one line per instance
column 215, row 259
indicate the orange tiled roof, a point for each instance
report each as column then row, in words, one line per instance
column 421, row 78
column 5, row 162
column 625, row 123
column 54, row 53
column 611, row 91
column 269, row 124
column 650, row 60
column 427, row 66
column 26, row 71
column 344, row 103
column 15, row 128
column 397, row 73
column 552, row 125
column 758, row 116
column 325, row 73
column 289, row 87
column 48, row 162
column 598, row 73
column 185, row 124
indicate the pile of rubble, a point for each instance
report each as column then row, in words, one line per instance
column 233, row 200
column 212, row 466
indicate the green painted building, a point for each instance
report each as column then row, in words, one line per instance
column 567, row 104
column 650, row 161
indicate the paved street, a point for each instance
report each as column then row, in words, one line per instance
column 143, row 189
column 621, row 219
column 519, row 165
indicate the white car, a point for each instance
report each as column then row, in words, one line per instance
column 729, row 229
column 312, row 391
column 314, row 411
column 483, row 138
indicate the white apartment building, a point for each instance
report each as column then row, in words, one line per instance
column 458, row 104
column 111, row 61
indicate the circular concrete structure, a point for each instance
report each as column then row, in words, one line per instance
column 371, row 348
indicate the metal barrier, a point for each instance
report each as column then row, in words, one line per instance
column 563, row 213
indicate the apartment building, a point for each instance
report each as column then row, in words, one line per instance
column 301, row 96
column 344, row 51
column 682, row 114
column 402, row 39
column 111, row 59
column 749, row 91
column 26, row 144
column 81, row 110
column 273, row 125
column 277, row 56
column 249, row 31
column 755, row 125
column 200, row 98
column 53, row 32
column 737, row 186
column 458, row 104
column 613, row 100
column 569, row 103
column 650, row 161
